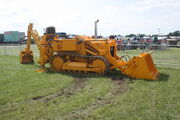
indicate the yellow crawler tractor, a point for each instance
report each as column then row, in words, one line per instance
column 85, row 55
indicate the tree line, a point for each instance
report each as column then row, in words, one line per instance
column 175, row 33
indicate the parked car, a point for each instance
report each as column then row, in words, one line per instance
column 62, row 35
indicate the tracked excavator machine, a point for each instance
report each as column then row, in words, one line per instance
column 84, row 54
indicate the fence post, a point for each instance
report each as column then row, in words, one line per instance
column 20, row 47
column 4, row 49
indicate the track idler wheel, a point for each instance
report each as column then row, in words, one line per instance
column 100, row 65
column 56, row 63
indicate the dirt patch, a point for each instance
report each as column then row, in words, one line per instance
column 78, row 84
column 120, row 85
column 118, row 80
column 37, row 97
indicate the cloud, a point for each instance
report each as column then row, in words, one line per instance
column 78, row 16
column 155, row 4
column 154, row 14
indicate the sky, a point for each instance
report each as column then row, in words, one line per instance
column 78, row 16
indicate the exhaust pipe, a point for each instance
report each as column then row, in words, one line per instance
column 96, row 28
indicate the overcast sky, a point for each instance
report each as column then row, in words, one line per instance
column 78, row 16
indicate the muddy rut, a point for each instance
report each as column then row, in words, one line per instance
column 119, row 86
column 77, row 84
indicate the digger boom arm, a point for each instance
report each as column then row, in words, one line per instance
column 26, row 55
column 35, row 35
column 29, row 37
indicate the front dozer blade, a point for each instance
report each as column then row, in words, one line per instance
column 26, row 57
column 141, row 67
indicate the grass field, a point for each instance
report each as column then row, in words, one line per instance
column 171, row 56
column 26, row 94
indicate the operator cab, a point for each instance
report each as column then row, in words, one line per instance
column 50, row 33
column 50, row 30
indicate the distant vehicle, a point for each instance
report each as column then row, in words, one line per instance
column 134, row 43
column 174, row 40
column 146, row 40
column 98, row 37
column 62, row 35
column 1, row 38
column 71, row 36
column 12, row 37
column 121, row 44
column 159, row 40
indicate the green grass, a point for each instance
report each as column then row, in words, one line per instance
column 26, row 94
column 169, row 56
column 147, row 100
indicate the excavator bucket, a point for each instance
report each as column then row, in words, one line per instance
column 26, row 57
column 141, row 67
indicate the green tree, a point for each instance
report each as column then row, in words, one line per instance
column 131, row 35
column 175, row 33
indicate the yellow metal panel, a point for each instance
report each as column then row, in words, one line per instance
column 141, row 66
column 69, row 45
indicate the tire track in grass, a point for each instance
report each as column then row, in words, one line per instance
column 96, row 87
column 120, row 85
column 78, row 84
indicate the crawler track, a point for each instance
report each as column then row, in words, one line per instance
column 89, row 60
